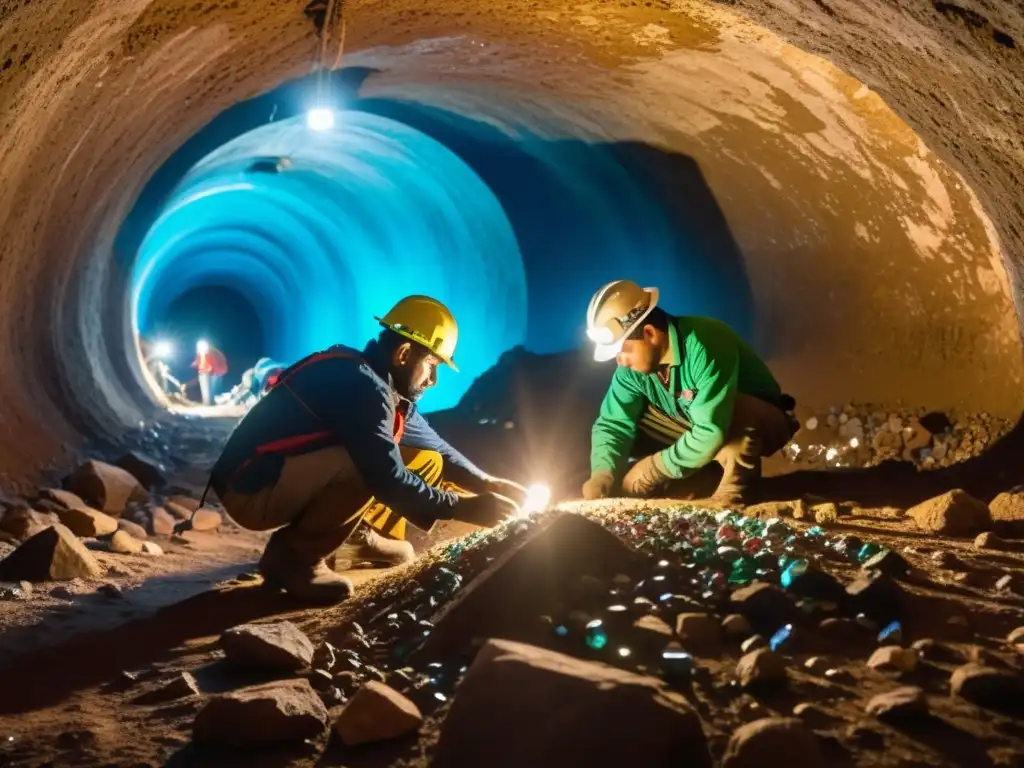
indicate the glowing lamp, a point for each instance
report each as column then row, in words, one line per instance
column 320, row 119
column 163, row 350
column 602, row 335
column 202, row 347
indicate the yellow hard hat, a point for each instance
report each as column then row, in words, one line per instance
column 425, row 321
column 614, row 312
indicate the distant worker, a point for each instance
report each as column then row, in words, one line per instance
column 211, row 366
column 337, row 451
column 688, row 391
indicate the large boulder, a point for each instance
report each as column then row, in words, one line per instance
column 54, row 553
column 278, row 646
column 1007, row 511
column 377, row 713
column 520, row 705
column 273, row 713
column 148, row 472
column 87, row 522
column 956, row 513
column 106, row 487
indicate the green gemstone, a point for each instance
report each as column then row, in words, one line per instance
column 743, row 570
column 868, row 551
column 597, row 638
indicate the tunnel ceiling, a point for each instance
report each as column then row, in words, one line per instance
column 909, row 302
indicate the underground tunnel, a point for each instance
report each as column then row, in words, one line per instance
column 836, row 180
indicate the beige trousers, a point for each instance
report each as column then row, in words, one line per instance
column 319, row 499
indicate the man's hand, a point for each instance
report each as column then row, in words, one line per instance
column 508, row 489
column 487, row 509
column 598, row 486
column 646, row 476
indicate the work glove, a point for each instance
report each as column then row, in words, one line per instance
column 599, row 486
column 508, row 489
column 646, row 476
column 487, row 509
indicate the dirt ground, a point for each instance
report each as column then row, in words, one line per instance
column 66, row 698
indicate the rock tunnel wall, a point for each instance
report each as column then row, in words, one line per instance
column 882, row 266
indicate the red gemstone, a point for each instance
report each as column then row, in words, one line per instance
column 728, row 533
column 753, row 544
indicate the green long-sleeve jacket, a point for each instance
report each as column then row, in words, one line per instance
column 707, row 365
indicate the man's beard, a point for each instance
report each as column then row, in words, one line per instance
column 401, row 379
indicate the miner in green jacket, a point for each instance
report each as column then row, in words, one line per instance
column 688, row 391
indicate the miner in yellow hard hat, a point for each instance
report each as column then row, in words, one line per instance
column 688, row 391
column 337, row 458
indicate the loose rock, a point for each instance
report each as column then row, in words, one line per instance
column 736, row 626
column 160, row 523
column 181, row 685
column 54, row 553
column 1007, row 511
column 762, row 668
column 888, row 562
column 106, row 487
column 956, row 513
column 148, row 472
column 207, row 520
column 22, row 523
column 824, row 514
column 509, row 683
column 903, row 703
column 699, row 630
column 280, row 645
column 124, row 543
column 766, row 606
column 377, row 713
column 988, row 687
column 87, row 522
column 990, row 540
column 812, row 715
column 151, row 548
column 134, row 530
column 1016, row 636
column 66, row 499
column 773, row 741
column 277, row 712
column 877, row 596
column 893, row 658
column 753, row 643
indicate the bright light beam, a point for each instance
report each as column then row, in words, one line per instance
column 537, row 498
column 163, row 350
column 202, row 347
column 320, row 119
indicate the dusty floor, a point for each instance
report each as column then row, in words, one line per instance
column 68, row 701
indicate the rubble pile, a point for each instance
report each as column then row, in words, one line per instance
column 713, row 637
column 862, row 435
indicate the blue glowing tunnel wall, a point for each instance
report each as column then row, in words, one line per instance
column 361, row 217
column 513, row 219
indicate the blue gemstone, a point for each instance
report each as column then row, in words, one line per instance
column 794, row 571
column 561, row 630
column 892, row 633
column 779, row 638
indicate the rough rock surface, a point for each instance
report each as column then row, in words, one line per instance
column 159, row 522
column 763, row 668
column 54, row 553
column 509, row 683
column 773, row 741
column 377, row 713
column 134, row 530
column 956, row 513
column 124, row 542
column 62, row 497
column 988, row 687
column 87, row 522
column 899, row 704
column 280, row 645
column 106, row 487
column 21, row 522
column 283, row 711
column 147, row 471
column 1007, row 511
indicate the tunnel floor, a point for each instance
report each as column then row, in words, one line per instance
column 86, row 663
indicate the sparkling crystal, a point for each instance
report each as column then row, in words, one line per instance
column 868, row 551
column 753, row 544
column 561, row 630
column 781, row 637
column 793, row 570
column 727, row 533
column 597, row 638
column 743, row 571
column 623, row 651
column 815, row 532
column 891, row 633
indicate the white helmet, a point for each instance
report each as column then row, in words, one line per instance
column 614, row 312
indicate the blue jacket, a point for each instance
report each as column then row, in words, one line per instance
column 340, row 397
